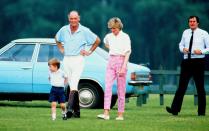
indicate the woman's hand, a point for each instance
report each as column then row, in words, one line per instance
column 122, row 71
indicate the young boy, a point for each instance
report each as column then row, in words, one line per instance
column 57, row 79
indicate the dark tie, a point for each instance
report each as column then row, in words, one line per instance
column 190, row 46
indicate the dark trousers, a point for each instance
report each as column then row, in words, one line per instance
column 191, row 68
column 73, row 103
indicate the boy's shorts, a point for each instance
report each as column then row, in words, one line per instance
column 57, row 94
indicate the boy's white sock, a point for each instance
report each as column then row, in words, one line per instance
column 64, row 114
column 53, row 116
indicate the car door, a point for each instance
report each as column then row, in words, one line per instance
column 16, row 68
column 41, row 72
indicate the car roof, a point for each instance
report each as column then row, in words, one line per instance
column 35, row 40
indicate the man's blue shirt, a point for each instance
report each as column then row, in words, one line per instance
column 75, row 42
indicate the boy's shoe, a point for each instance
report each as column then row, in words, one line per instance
column 119, row 118
column 53, row 118
column 64, row 116
column 102, row 116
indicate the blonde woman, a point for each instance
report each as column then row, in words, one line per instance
column 119, row 46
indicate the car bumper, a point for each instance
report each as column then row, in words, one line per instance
column 139, row 83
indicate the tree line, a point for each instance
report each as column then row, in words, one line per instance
column 155, row 26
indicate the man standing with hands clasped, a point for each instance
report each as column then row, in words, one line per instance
column 75, row 37
column 194, row 45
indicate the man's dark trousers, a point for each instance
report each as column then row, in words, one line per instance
column 191, row 68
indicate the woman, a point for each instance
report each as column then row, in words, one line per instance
column 119, row 46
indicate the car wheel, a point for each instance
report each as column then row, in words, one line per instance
column 113, row 101
column 89, row 96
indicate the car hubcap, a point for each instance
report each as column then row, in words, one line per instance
column 86, row 97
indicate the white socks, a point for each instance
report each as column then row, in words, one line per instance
column 53, row 116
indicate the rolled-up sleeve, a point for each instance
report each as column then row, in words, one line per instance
column 105, row 40
column 59, row 36
column 127, row 45
column 90, row 37
column 182, row 43
column 206, row 42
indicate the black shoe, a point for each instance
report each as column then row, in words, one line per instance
column 201, row 114
column 76, row 114
column 69, row 114
column 169, row 110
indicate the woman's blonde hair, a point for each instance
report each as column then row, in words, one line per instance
column 115, row 22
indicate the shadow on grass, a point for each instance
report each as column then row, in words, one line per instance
column 34, row 104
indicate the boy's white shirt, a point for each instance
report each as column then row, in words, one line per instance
column 57, row 78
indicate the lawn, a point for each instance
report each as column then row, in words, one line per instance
column 27, row 116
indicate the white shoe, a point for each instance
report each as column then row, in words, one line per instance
column 53, row 118
column 102, row 116
column 119, row 118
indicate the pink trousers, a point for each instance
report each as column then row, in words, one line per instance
column 114, row 65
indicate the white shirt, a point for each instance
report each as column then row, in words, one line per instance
column 118, row 45
column 200, row 41
column 57, row 78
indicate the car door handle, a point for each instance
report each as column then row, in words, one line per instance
column 26, row 68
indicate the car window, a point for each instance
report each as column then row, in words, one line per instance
column 48, row 51
column 18, row 52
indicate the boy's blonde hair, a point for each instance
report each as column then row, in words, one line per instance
column 54, row 62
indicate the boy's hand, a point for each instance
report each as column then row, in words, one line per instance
column 65, row 81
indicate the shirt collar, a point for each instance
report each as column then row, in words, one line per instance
column 78, row 30
column 194, row 30
column 120, row 32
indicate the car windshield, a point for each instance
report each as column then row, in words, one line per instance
column 19, row 52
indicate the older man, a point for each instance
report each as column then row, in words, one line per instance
column 75, row 37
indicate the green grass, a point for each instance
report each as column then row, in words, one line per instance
column 23, row 116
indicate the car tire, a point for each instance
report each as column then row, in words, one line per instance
column 113, row 101
column 89, row 96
